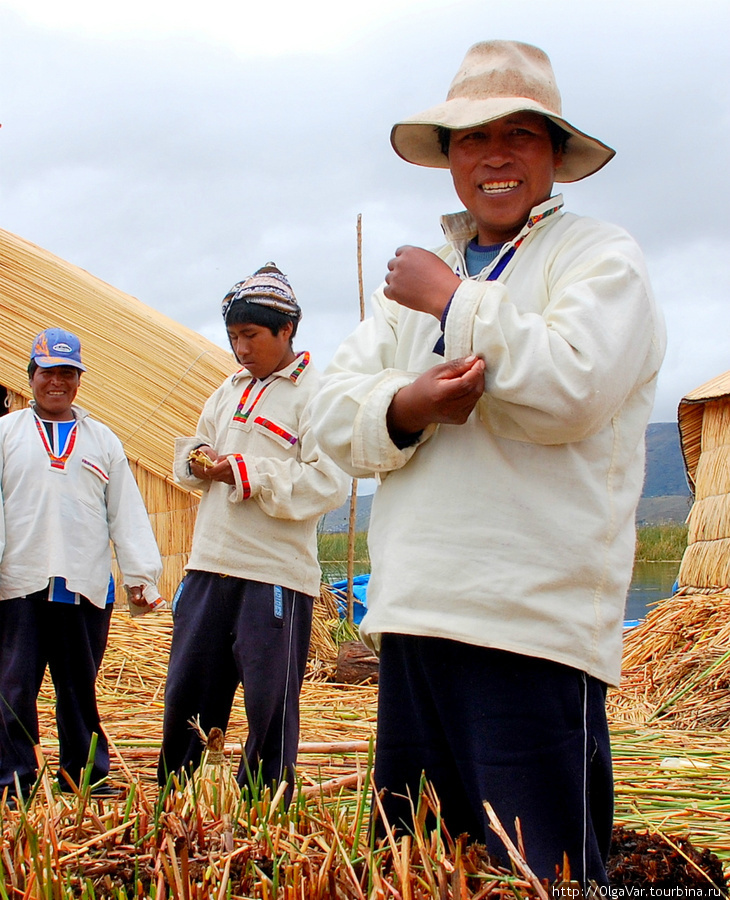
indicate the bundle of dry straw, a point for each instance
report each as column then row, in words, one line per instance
column 676, row 665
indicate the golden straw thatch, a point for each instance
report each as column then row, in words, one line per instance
column 148, row 376
column 704, row 427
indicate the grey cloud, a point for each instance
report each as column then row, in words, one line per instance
column 172, row 167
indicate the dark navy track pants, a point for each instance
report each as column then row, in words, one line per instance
column 70, row 639
column 525, row 734
column 230, row 631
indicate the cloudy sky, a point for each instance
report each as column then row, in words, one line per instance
column 172, row 148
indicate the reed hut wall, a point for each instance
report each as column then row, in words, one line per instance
column 148, row 376
column 704, row 427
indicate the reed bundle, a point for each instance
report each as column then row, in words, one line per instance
column 207, row 840
column 704, row 421
column 695, row 433
column 706, row 561
column 676, row 665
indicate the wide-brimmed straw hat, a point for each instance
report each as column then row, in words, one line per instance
column 496, row 79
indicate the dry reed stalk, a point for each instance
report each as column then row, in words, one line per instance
column 352, row 519
column 130, row 690
column 514, row 854
column 674, row 781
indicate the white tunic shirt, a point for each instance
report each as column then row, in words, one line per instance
column 60, row 514
column 516, row 529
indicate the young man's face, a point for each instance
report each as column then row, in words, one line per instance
column 501, row 170
column 54, row 390
column 259, row 349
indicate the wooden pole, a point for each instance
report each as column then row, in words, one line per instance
column 353, row 494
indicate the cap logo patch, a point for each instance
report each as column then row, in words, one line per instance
column 41, row 346
column 61, row 348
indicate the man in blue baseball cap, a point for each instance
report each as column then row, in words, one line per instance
column 66, row 492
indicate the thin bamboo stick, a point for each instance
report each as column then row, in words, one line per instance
column 353, row 494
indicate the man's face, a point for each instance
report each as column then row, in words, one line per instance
column 54, row 390
column 259, row 349
column 501, row 170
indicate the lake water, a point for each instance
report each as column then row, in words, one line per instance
column 652, row 581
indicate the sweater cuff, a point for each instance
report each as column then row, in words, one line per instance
column 373, row 448
column 181, row 466
column 242, row 488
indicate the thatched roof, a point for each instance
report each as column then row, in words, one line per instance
column 690, row 416
column 148, row 376
column 704, row 428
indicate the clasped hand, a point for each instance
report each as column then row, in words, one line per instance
column 445, row 394
column 220, row 470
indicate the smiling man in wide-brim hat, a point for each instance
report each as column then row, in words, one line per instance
column 496, row 79
column 501, row 393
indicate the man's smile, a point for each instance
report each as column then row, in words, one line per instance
column 498, row 187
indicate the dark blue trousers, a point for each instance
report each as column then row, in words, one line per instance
column 230, row 631
column 70, row 640
column 527, row 735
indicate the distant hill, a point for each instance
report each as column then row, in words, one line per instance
column 666, row 496
column 339, row 519
column 656, row 510
column 664, row 464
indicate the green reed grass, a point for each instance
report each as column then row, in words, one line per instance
column 657, row 543
column 332, row 550
column 661, row 543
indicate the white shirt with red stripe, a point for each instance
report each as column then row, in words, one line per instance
column 263, row 528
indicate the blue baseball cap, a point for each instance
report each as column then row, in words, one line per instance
column 56, row 347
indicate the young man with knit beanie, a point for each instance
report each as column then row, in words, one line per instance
column 244, row 611
column 500, row 393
